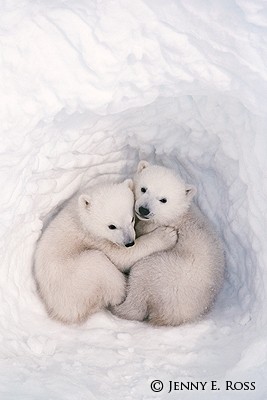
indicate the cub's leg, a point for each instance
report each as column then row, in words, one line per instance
column 135, row 305
column 74, row 289
column 161, row 239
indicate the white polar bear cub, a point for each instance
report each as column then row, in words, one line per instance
column 179, row 285
column 79, row 255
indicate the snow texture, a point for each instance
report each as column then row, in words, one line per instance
column 87, row 89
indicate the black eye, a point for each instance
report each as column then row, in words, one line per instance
column 143, row 190
column 112, row 227
column 163, row 200
column 132, row 219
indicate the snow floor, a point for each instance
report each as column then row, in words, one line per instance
column 87, row 88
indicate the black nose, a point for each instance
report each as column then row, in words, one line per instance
column 143, row 211
column 129, row 244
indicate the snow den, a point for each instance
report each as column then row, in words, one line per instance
column 88, row 89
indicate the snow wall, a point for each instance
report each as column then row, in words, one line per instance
column 87, row 89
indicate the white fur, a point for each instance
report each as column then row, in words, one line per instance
column 78, row 257
column 179, row 285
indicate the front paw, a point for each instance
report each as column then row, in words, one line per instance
column 168, row 236
column 115, row 310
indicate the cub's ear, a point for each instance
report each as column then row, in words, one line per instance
column 85, row 201
column 142, row 165
column 129, row 183
column 190, row 191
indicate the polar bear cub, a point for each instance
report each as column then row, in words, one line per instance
column 82, row 251
column 178, row 285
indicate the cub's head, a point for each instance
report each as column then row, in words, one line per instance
column 108, row 212
column 160, row 195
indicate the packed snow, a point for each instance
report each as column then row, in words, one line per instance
column 87, row 89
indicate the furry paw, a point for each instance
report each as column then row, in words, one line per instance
column 126, row 311
column 118, row 294
column 167, row 235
